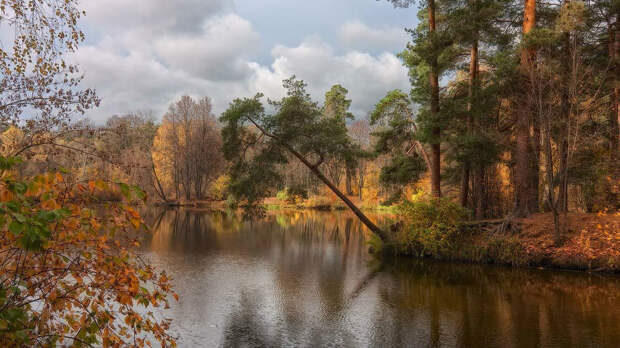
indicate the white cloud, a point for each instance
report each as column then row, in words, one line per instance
column 132, row 82
column 156, row 51
column 366, row 77
column 217, row 53
column 355, row 34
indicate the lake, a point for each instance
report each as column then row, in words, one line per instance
column 306, row 279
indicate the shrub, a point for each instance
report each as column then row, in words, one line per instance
column 282, row 195
column 219, row 187
column 318, row 202
column 392, row 199
column 506, row 250
column 292, row 195
column 430, row 227
column 231, row 202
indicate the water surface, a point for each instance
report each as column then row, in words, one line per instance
column 305, row 279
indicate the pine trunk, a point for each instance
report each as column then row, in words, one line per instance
column 522, row 161
column 473, row 75
column 479, row 192
column 436, row 131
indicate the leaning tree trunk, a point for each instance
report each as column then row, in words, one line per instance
column 314, row 168
column 159, row 189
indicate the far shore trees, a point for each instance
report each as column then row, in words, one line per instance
column 187, row 150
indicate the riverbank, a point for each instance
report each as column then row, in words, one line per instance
column 590, row 242
column 325, row 203
column 322, row 203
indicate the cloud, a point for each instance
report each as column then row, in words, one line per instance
column 139, row 82
column 130, row 83
column 217, row 53
column 153, row 16
column 155, row 58
column 355, row 34
column 367, row 77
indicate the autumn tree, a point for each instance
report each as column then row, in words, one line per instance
column 69, row 275
column 36, row 77
column 186, row 149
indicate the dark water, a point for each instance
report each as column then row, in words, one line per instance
column 305, row 279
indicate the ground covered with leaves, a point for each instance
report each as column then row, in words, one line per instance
column 590, row 241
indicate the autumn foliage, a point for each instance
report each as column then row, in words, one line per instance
column 69, row 275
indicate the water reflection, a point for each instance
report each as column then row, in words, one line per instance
column 305, row 279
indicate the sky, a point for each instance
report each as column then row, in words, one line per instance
column 142, row 55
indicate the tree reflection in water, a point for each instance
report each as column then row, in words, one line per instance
column 306, row 279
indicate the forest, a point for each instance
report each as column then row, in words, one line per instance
column 507, row 138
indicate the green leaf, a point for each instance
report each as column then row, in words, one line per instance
column 15, row 227
column 19, row 217
column 12, row 205
column 20, row 188
column 138, row 192
column 9, row 162
column 125, row 190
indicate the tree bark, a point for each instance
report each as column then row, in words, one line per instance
column 465, row 184
column 563, row 191
column 348, row 180
column 566, row 110
column 522, row 162
column 475, row 126
column 160, row 191
column 473, row 75
column 436, row 131
column 534, row 163
column 553, row 204
column 614, row 112
column 479, row 192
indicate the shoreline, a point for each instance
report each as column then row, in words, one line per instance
column 591, row 242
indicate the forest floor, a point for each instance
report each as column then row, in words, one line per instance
column 589, row 241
